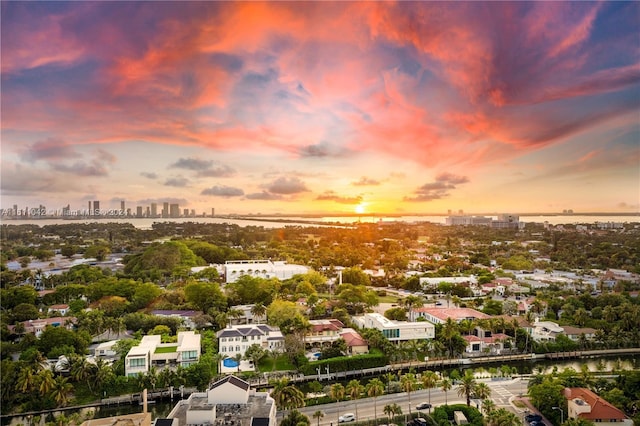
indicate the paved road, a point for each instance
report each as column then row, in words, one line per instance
column 501, row 391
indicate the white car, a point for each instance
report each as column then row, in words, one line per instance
column 347, row 417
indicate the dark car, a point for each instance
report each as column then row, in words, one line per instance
column 423, row 406
column 533, row 418
column 419, row 421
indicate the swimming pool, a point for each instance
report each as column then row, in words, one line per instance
column 231, row 363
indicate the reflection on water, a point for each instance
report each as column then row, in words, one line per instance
column 161, row 409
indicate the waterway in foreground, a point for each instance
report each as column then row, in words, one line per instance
column 161, row 409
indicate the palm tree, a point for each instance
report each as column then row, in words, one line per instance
column 488, row 406
column 336, row 392
column 374, row 389
column 389, row 377
column 81, row 370
column 238, row 359
column 502, row 417
column 287, row 396
column 408, row 384
column 429, row 380
column 45, row 381
column 354, row 390
column 467, row 386
column 392, row 409
column 61, row 390
column 482, row 391
column 445, row 385
column 295, row 418
column 258, row 311
column 26, row 380
column 235, row 314
column 318, row 415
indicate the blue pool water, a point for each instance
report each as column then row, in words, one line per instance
column 228, row 362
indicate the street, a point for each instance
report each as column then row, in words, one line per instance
column 501, row 391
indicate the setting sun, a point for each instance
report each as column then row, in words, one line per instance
column 360, row 208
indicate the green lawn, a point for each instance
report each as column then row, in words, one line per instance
column 282, row 363
column 166, row 350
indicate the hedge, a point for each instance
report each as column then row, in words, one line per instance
column 444, row 413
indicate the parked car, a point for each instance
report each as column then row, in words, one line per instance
column 423, row 406
column 418, row 421
column 347, row 417
column 533, row 417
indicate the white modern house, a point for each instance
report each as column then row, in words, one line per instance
column 236, row 339
column 440, row 315
column 152, row 352
column 235, row 269
column 229, row 401
column 397, row 331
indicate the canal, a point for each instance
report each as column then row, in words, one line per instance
column 161, row 409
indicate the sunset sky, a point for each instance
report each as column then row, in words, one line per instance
column 310, row 107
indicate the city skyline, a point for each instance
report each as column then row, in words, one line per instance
column 322, row 107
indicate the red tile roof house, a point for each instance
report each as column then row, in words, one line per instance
column 582, row 403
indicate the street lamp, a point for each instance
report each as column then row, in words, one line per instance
column 561, row 413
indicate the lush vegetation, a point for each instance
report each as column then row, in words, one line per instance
column 106, row 300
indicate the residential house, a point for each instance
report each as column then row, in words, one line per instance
column 585, row 404
column 234, row 269
column 323, row 332
column 488, row 344
column 440, row 315
column 152, row 352
column 185, row 315
column 397, row 331
column 356, row 345
column 235, row 339
column 229, row 401
column 246, row 315
column 105, row 349
column 61, row 309
column 37, row 326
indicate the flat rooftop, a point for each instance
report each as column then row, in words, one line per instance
column 226, row 414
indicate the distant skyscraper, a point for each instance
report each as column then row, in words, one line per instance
column 148, row 212
column 122, row 207
column 185, row 213
column 89, row 209
column 165, row 209
column 139, row 211
column 213, row 212
column 96, row 208
column 174, row 210
column 154, row 210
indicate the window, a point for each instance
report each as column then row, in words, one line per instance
column 238, row 348
column 223, row 349
column 137, row 362
column 187, row 355
column 391, row 334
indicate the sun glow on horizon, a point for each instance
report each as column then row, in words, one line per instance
column 361, row 208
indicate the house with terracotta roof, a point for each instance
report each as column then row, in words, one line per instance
column 584, row 404
column 60, row 309
column 486, row 345
column 323, row 332
column 356, row 344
